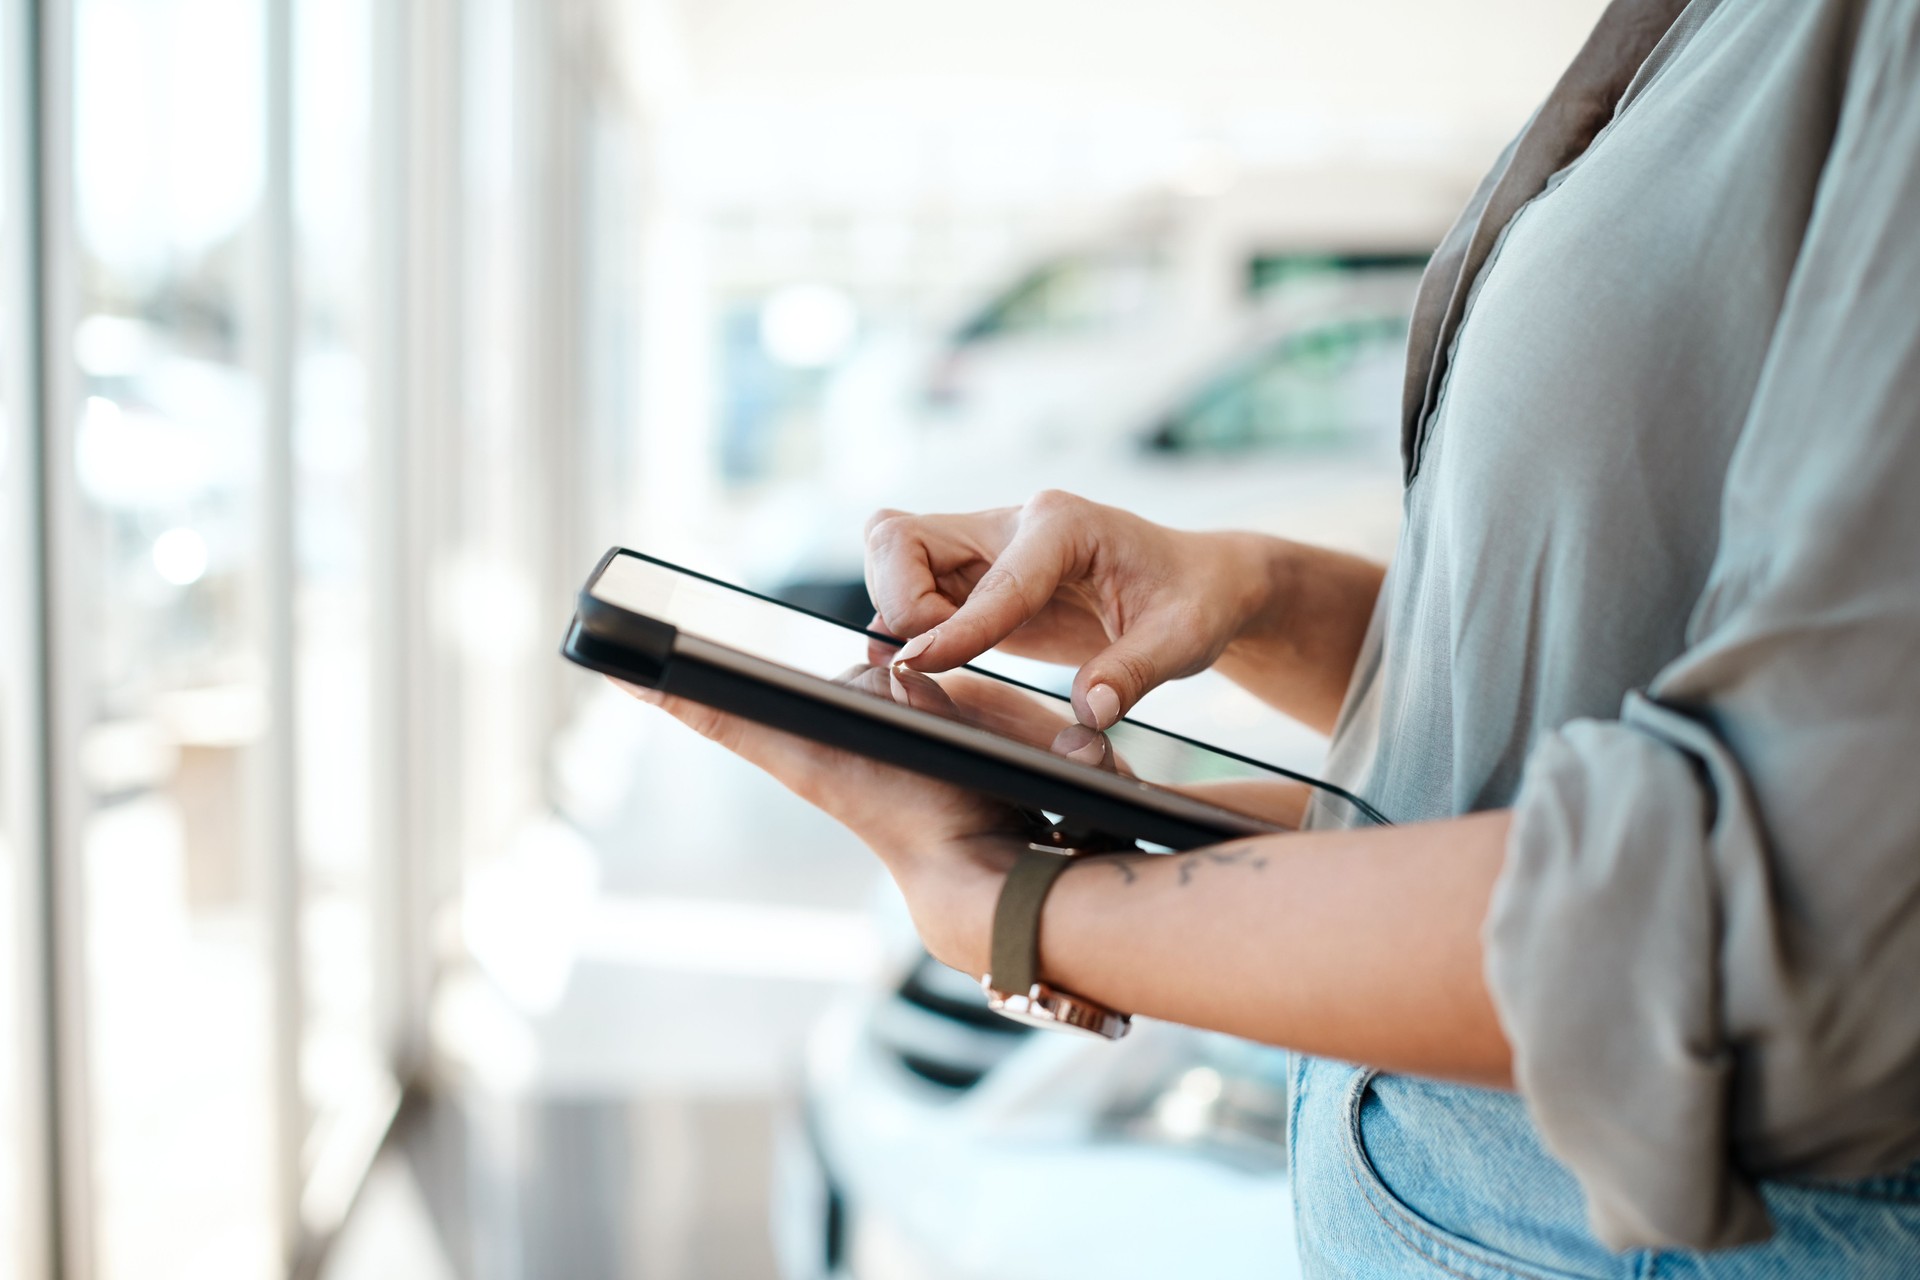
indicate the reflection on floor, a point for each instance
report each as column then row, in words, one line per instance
column 494, row 1189
column 645, row 968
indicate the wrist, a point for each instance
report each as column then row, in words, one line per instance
column 952, row 896
column 1017, row 984
column 1266, row 572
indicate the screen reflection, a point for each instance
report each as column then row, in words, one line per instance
column 1043, row 721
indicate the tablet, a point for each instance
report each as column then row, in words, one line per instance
column 656, row 624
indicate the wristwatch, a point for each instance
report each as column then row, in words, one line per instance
column 1013, row 984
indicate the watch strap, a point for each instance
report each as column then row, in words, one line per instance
column 1015, row 951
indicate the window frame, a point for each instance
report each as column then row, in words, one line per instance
column 23, row 721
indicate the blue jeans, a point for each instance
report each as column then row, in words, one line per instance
column 1395, row 1177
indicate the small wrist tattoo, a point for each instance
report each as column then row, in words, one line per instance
column 1227, row 855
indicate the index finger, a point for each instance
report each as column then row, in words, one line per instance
column 1018, row 585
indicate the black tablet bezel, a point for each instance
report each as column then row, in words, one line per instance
column 615, row 641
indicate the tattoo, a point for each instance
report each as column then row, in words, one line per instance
column 1125, row 862
column 1226, row 855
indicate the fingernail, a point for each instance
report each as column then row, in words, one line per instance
column 916, row 646
column 1093, row 753
column 1103, row 704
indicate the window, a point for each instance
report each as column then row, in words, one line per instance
column 305, row 438
column 333, row 604
column 167, row 634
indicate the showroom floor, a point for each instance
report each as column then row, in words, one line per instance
column 602, row 1190
column 615, row 1059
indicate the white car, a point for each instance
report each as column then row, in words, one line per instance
column 1289, row 425
column 939, row 1141
column 1164, row 280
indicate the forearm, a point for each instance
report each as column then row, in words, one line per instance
column 1297, row 648
column 1362, row 945
column 1359, row 945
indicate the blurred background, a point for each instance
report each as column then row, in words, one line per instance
column 346, row 930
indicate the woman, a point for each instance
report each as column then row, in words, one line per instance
column 1632, row 976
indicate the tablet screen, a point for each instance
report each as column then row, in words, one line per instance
column 855, row 659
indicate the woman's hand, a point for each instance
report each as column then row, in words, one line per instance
column 1362, row 945
column 1131, row 603
column 949, row 850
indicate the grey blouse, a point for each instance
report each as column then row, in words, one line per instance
column 1659, row 591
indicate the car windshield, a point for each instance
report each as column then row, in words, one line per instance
column 1074, row 294
column 1332, row 384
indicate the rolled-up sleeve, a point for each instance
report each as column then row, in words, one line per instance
column 1705, row 946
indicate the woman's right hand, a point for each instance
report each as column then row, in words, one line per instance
column 1062, row 579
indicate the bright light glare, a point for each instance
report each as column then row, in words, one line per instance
column 112, row 346
column 167, row 158
column 180, row 556
column 1185, row 1110
column 744, row 939
column 807, row 326
column 132, row 458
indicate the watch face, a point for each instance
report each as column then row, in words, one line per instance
column 1058, row 1011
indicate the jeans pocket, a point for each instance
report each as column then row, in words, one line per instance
column 1447, row 1252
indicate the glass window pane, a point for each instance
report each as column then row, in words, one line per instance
column 340, row 1063
column 498, row 530
column 166, row 625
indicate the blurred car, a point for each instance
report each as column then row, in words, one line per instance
column 939, row 1141
column 1166, row 275
column 1287, row 424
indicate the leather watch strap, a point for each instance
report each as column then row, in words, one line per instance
column 1015, row 952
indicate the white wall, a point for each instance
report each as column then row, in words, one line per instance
column 865, row 102
column 1454, row 56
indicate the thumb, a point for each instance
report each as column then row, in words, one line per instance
column 1111, row 682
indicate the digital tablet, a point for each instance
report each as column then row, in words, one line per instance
column 652, row 623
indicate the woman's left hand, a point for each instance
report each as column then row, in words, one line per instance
column 948, row 849
column 1363, row 945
